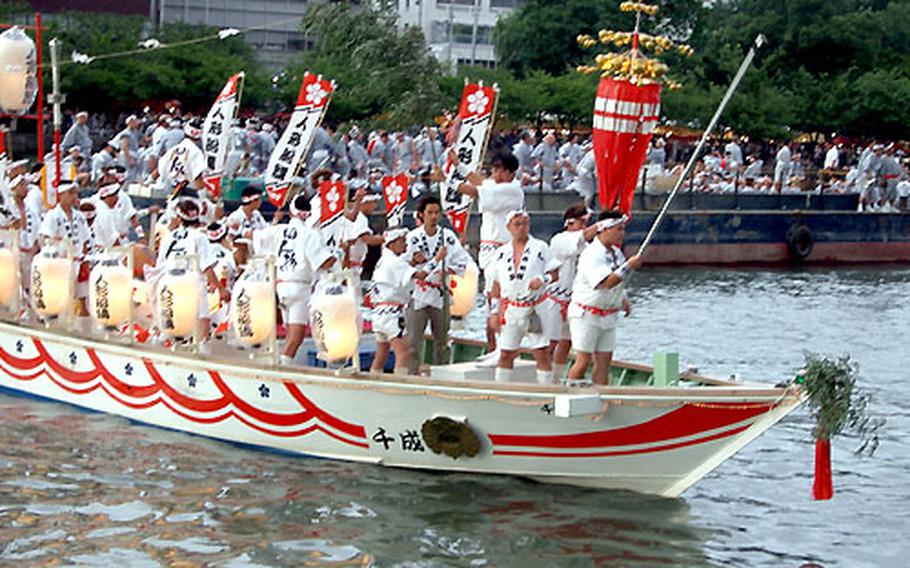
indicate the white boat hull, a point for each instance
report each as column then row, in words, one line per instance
column 651, row 440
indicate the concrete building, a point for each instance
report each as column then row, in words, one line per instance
column 276, row 39
column 458, row 31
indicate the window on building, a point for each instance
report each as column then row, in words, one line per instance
column 507, row 3
column 458, row 2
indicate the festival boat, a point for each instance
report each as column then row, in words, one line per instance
column 653, row 430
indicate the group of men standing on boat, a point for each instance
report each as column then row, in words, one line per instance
column 549, row 297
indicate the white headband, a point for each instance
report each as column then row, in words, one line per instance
column 394, row 234
column 108, row 190
column 16, row 180
column 610, row 223
column 516, row 213
column 65, row 185
column 218, row 234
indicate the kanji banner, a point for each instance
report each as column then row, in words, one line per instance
column 395, row 192
column 216, row 130
column 624, row 118
column 295, row 141
column 475, row 115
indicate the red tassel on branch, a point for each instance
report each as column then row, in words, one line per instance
column 822, row 488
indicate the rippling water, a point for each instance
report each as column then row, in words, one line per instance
column 88, row 489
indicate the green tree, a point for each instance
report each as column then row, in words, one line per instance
column 385, row 76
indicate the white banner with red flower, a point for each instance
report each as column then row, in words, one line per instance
column 216, row 132
column 395, row 192
column 312, row 102
column 475, row 118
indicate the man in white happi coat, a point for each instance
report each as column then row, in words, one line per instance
column 247, row 217
column 496, row 196
column 189, row 239
column 184, row 163
column 109, row 228
column 393, row 280
column 429, row 247
column 597, row 297
column 300, row 258
column 102, row 160
column 522, row 270
column 65, row 226
column 546, row 159
column 565, row 246
column 358, row 235
column 29, row 223
column 225, row 271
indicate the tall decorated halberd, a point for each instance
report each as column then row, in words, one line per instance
column 627, row 106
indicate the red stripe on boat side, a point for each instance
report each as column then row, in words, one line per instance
column 617, row 453
column 348, row 428
column 688, row 420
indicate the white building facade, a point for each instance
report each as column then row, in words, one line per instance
column 459, row 32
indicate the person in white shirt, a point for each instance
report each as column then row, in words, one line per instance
column 108, row 229
column 357, row 232
column 496, row 196
column 300, row 256
column 393, row 280
column 29, row 223
column 521, row 272
column 247, row 217
column 832, row 157
column 429, row 246
column 565, row 246
column 782, row 167
column 189, row 240
column 225, row 271
column 65, row 225
column 184, row 163
column 597, row 296
column 523, row 150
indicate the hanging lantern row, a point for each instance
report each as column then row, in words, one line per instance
column 632, row 65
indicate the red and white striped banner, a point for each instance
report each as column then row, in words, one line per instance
column 312, row 102
column 395, row 192
column 475, row 115
column 625, row 115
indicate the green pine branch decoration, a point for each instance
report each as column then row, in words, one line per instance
column 837, row 403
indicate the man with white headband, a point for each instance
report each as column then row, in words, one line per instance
column 357, row 232
column 185, row 162
column 496, row 196
column 65, row 226
column 225, row 272
column 300, row 255
column 565, row 246
column 428, row 245
column 129, row 140
column 247, row 217
column 109, row 227
column 521, row 272
column 188, row 240
column 393, row 280
column 29, row 223
column 597, row 297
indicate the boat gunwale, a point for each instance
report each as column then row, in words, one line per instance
column 724, row 390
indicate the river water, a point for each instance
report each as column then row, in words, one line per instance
column 89, row 490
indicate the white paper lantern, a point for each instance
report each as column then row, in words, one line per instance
column 178, row 300
column 109, row 294
column 18, row 72
column 464, row 291
column 335, row 321
column 52, row 285
column 253, row 311
column 9, row 276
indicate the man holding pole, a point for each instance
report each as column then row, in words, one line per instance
column 597, row 297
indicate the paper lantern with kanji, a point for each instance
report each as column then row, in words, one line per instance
column 53, row 284
column 110, row 293
column 464, row 291
column 18, row 71
column 625, row 114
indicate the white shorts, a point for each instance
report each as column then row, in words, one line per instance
column 294, row 300
column 388, row 323
column 516, row 326
column 590, row 338
column 556, row 326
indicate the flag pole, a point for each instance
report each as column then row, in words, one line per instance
column 759, row 42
